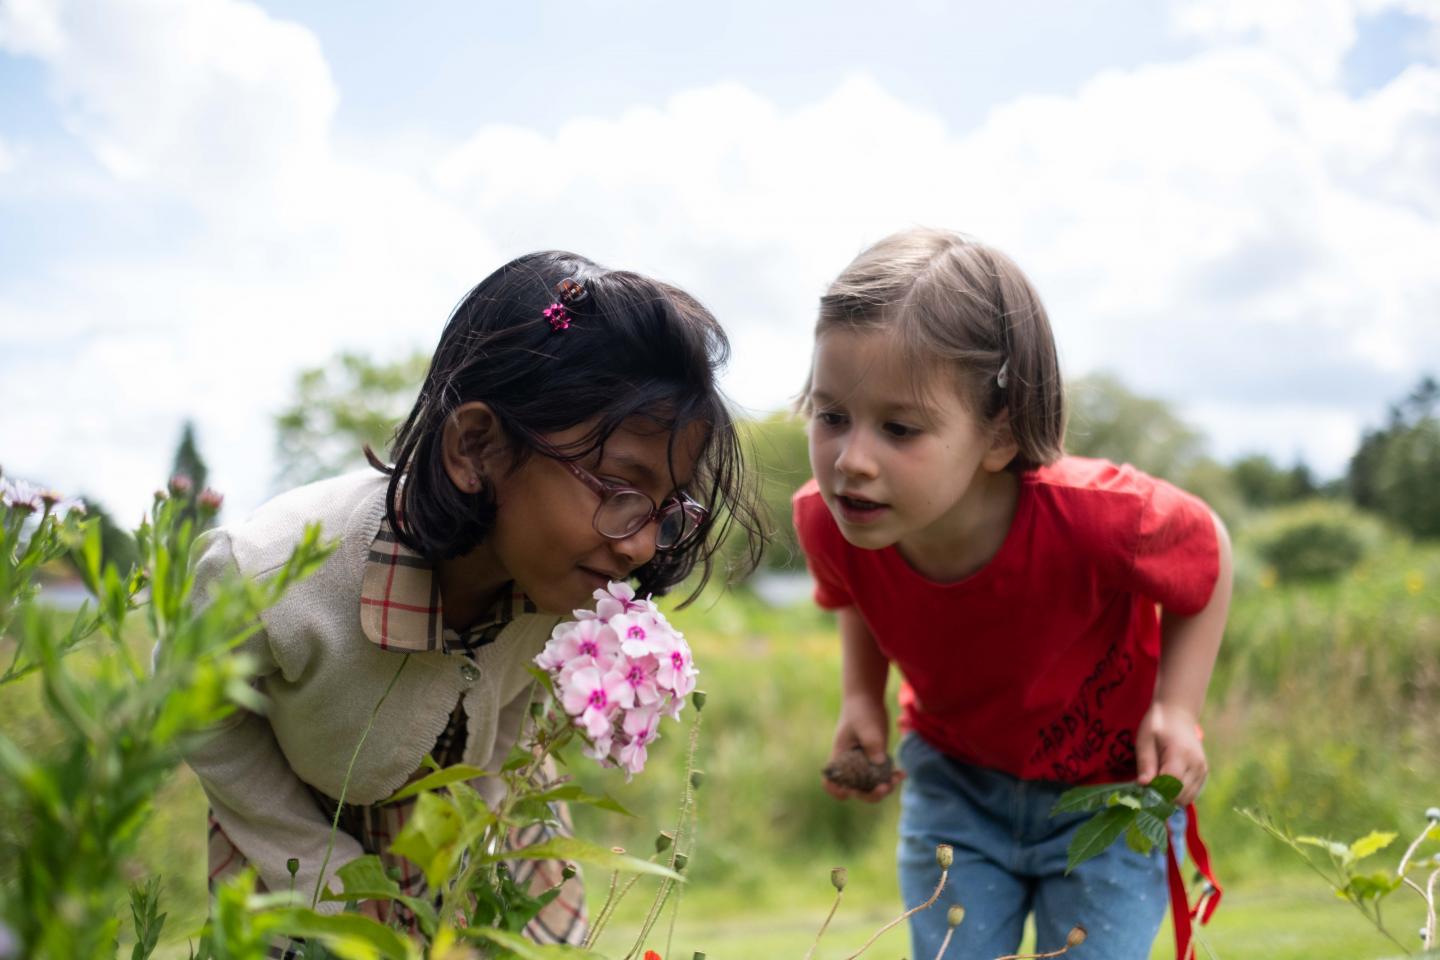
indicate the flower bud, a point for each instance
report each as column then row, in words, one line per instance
column 697, row 777
column 698, row 698
column 663, row 841
column 209, row 501
column 944, row 855
column 293, row 865
column 181, row 485
column 838, row 876
column 680, row 861
column 955, row 915
column 50, row 498
column 1075, row 937
column 161, row 496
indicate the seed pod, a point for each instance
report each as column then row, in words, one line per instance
column 293, row 865
column 1076, row 937
column 568, row 871
column 697, row 777
column 698, row 698
column 680, row 861
column 955, row 915
column 663, row 842
column 944, row 855
column 838, row 876
column 854, row 770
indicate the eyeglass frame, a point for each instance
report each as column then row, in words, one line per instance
column 606, row 490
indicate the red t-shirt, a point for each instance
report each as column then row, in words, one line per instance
column 1043, row 662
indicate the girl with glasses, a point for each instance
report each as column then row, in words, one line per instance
column 569, row 432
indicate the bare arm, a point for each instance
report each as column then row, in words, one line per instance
column 1168, row 741
column 864, row 719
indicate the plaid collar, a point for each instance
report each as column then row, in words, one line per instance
column 400, row 605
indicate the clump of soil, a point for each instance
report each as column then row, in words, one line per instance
column 854, row 770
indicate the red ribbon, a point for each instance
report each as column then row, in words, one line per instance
column 1184, row 915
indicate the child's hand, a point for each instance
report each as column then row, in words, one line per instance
column 864, row 724
column 1168, row 741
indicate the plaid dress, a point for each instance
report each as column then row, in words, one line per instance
column 400, row 608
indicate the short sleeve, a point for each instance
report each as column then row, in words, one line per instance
column 818, row 536
column 1177, row 551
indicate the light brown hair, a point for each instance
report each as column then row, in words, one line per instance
column 959, row 306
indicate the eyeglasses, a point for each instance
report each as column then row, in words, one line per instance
column 624, row 510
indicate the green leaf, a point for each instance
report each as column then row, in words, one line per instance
column 1370, row 844
column 1153, row 826
column 436, row 780
column 569, row 848
column 1080, row 799
column 1167, row 786
column 350, row 935
column 574, row 793
column 435, row 837
column 1372, row 886
column 1136, row 840
column 365, row 879
column 1096, row 834
column 1330, row 846
column 528, row 949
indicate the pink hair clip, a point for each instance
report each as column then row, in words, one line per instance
column 558, row 316
column 567, row 291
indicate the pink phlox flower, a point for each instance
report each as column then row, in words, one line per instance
column 675, row 669
column 640, row 675
column 593, row 697
column 639, row 632
column 639, row 732
column 617, row 598
column 571, row 643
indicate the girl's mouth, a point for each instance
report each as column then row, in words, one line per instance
column 856, row 510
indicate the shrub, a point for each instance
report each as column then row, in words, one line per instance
column 1315, row 540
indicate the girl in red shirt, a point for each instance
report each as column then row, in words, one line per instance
column 1054, row 620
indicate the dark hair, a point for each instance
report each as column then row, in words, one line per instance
column 635, row 348
column 953, row 301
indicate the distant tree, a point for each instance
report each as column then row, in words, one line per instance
column 191, row 466
column 340, row 407
column 1396, row 470
column 1261, row 483
column 1108, row 420
column 778, row 452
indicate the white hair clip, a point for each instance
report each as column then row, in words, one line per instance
column 1002, row 379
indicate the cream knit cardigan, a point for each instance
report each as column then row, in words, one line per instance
column 322, row 678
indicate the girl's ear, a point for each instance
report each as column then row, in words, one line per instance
column 472, row 445
column 1003, row 445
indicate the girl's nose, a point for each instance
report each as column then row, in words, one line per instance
column 855, row 459
column 637, row 549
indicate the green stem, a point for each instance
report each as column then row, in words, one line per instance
column 345, row 786
column 686, row 811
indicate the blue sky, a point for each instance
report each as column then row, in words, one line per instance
column 1233, row 205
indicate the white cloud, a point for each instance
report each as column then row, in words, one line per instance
column 1230, row 230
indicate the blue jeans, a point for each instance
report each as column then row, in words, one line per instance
column 1010, row 859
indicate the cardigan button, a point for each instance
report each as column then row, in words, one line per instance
column 469, row 671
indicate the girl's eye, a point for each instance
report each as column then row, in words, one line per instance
column 899, row 431
column 830, row 418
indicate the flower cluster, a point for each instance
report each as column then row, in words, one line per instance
column 617, row 670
